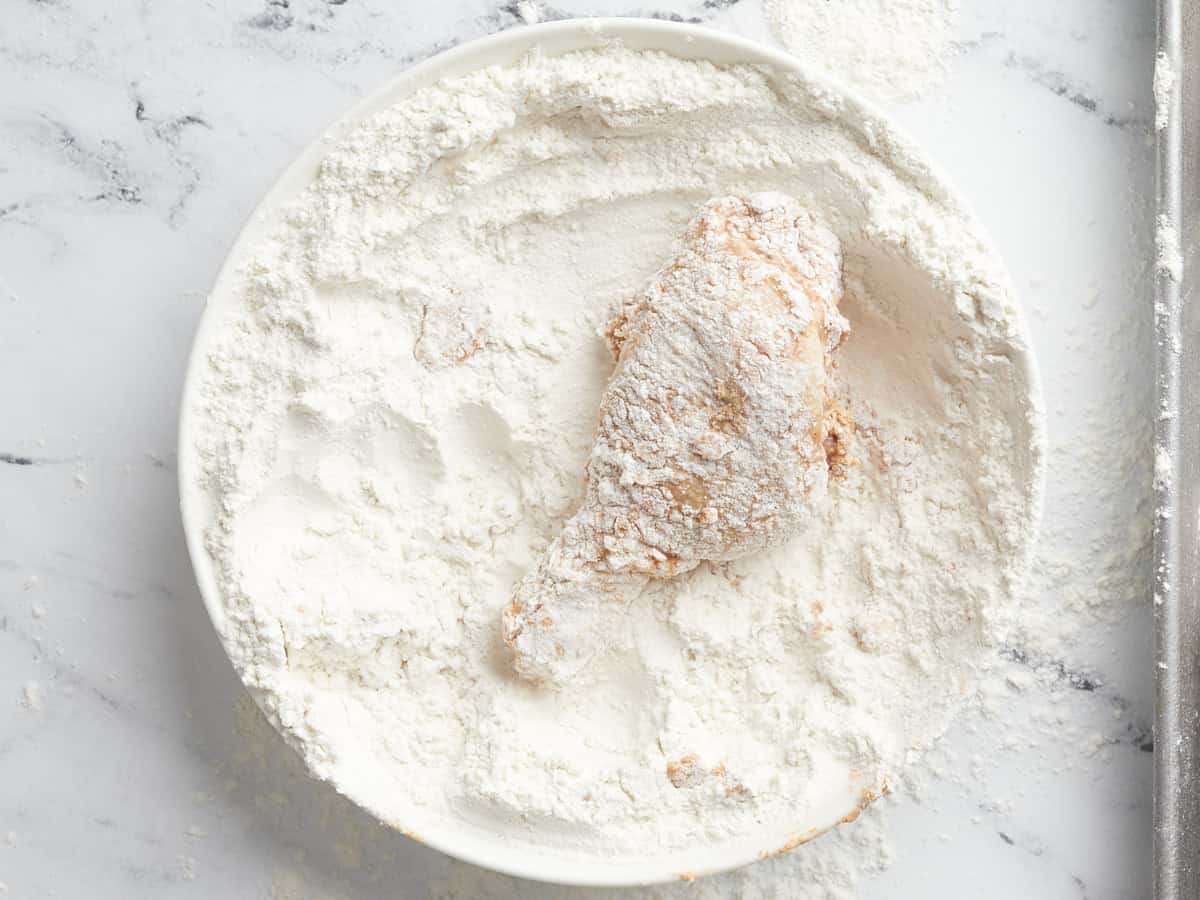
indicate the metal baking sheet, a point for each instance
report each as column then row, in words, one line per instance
column 1177, row 432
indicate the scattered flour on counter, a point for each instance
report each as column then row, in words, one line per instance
column 187, row 867
column 1164, row 84
column 397, row 397
column 890, row 49
column 32, row 697
column 529, row 11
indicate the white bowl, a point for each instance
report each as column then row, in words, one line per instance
column 496, row 851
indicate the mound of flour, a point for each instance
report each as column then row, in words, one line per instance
column 397, row 396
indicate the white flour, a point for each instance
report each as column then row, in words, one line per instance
column 891, row 49
column 399, row 397
column 32, row 697
column 1164, row 84
column 1167, row 259
column 830, row 870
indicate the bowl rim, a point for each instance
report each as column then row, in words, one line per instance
column 553, row 38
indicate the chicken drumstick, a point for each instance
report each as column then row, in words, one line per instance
column 717, row 429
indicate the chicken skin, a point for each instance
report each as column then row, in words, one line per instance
column 718, row 428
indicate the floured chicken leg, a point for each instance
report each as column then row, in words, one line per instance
column 717, row 429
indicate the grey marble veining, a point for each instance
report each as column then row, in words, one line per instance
column 136, row 136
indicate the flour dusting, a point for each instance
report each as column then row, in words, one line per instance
column 32, row 698
column 398, row 390
column 1164, row 85
column 1168, row 259
column 888, row 49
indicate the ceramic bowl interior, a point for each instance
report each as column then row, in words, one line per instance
column 511, row 853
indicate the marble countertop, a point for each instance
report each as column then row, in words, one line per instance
column 136, row 136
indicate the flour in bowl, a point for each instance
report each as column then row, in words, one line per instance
column 398, row 390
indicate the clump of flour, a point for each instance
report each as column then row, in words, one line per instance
column 32, row 698
column 890, row 49
column 1168, row 259
column 397, row 394
column 1164, row 84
